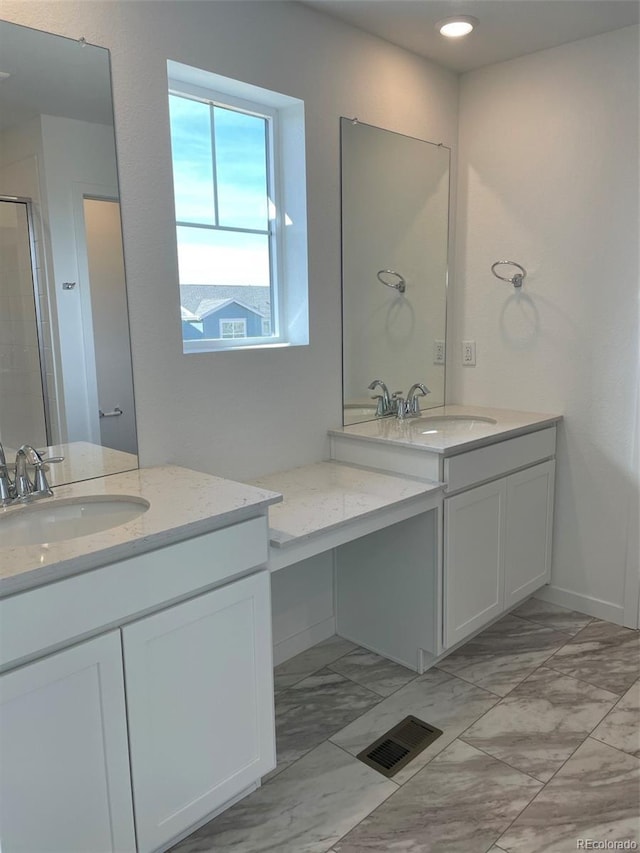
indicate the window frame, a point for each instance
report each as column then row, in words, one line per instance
column 276, row 219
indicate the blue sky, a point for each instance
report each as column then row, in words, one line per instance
column 215, row 257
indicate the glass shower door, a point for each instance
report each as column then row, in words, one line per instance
column 23, row 407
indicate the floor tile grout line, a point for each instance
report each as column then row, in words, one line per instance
column 472, row 683
column 368, row 815
column 591, row 736
column 548, row 782
column 590, row 683
column 545, row 625
column 383, row 696
column 587, row 683
column 502, row 761
column 531, row 674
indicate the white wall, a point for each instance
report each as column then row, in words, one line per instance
column 548, row 166
column 194, row 410
column 243, row 414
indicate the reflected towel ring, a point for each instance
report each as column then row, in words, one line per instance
column 399, row 285
column 516, row 279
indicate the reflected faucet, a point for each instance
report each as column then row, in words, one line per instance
column 6, row 486
column 384, row 406
column 413, row 403
column 24, row 488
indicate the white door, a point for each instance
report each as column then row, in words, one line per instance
column 528, row 531
column 200, row 702
column 473, row 559
column 64, row 767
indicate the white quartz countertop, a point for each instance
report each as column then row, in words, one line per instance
column 183, row 503
column 325, row 496
column 82, row 461
column 460, row 435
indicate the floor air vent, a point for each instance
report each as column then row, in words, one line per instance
column 400, row 745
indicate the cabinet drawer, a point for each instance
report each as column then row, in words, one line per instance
column 485, row 463
column 54, row 615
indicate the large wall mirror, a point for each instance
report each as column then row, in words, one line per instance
column 395, row 213
column 65, row 358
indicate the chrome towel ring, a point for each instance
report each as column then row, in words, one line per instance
column 399, row 285
column 516, row 279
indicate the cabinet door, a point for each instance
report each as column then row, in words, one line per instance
column 473, row 559
column 528, row 531
column 199, row 685
column 64, row 765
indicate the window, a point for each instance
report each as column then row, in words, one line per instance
column 233, row 328
column 237, row 239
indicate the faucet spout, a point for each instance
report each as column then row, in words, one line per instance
column 384, row 400
column 413, row 403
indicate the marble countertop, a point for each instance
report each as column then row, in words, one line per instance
column 421, row 433
column 183, row 503
column 82, row 461
column 325, row 496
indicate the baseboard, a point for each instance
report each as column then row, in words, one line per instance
column 582, row 603
column 303, row 640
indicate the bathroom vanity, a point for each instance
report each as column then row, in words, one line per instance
column 497, row 467
column 136, row 662
column 136, row 685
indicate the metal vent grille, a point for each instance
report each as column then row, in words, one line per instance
column 400, row 745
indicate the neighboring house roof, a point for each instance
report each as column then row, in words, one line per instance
column 211, row 306
column 187, row 316
column 256, row 297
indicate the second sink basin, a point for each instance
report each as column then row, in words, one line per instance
column 52, row 520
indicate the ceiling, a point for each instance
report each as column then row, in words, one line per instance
column 506, row 28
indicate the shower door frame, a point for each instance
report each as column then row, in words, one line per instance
column 28, row 203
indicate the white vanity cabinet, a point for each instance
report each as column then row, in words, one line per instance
column 497, row 547
column 159, row 718
column 497, row 508
column 64, row 762
column 200, row 706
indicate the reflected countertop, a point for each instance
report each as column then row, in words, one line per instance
column 82, row 461
column 183, row 504
column 461, row 435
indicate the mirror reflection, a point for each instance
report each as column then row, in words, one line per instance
column 65, row 360
column 395, row 212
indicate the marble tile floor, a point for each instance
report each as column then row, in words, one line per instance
column 540, row 748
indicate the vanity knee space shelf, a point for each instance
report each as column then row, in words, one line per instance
column 328, row 504
column 381, row 530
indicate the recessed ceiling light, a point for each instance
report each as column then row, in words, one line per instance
column 460, row 25
column 4, row 75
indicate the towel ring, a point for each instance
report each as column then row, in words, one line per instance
column 516, row 279
column 399, row 285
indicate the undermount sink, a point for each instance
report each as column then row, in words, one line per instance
column 450, row 423
column 53, row 520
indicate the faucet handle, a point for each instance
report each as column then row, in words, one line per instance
column 41, row 487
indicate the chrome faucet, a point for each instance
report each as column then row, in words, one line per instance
column 413, row 403
column 384, row 406
column 6, row 486
column 23, row 489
